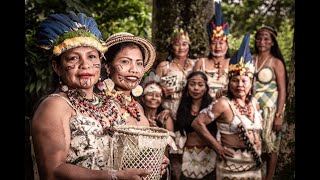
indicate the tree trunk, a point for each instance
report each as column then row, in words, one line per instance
column 286, row 161
column 189, row 14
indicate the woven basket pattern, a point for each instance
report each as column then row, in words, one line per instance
column 139, row 147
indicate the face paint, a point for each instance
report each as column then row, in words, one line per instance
column 128, row 84
column 85, row 82
column 127, row 69
column 70, row 67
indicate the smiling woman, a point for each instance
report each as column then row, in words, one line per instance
column 127, row 59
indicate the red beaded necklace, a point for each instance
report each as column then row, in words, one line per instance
column 127, row 103
column 218, row 65
column 244, row 110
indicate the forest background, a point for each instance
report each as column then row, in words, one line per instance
column 155, row 20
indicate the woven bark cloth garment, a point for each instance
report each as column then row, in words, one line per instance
column 267, row 96
column 89, row 144
column 242, row 164
column 197, row 162
column 177, row 79
column 215, row 81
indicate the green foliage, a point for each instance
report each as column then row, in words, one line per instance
column 247, row 16
column 234, row 43
column 133, row 16
column 285, row 40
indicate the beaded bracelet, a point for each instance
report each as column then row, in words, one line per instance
column 112, row 175
column 278, row 115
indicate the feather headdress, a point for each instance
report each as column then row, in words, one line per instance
column 179, row 35
column 218, row 27
column 241, row 61
column 61, row 32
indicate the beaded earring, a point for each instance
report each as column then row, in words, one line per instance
column 63, row 87
column 101, row 86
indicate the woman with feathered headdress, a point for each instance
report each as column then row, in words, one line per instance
column 238, row 121
column 216, row 64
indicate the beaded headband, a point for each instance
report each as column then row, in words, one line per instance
column 218, row 27
column 148, row 48
column 152, row 87
column 241, row 61
column 268, row 29
column 151, row 83
column 179, row 35
column 61, row 32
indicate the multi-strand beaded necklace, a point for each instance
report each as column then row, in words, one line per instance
column 97, row 107
column 244, row 110
column 126, row 103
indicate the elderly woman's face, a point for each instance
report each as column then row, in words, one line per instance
column 127, row 68
column 219, row 47
column 80, row 67
column 240, row 86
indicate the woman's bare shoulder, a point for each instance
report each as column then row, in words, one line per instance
column 53, row 106
column 221, row 104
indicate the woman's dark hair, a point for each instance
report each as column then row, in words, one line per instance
column 275, row 50
column 184, row 116
column 249, row 96
column 55, row 78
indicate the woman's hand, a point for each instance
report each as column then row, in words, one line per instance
column 220, row 93
column 163, row 115
column 168, row 91
column 277, row 124
column 165, row 163
column 222, row 152
column 130, row 173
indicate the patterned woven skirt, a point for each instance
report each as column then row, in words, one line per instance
column 241, row 166
column 198, row 162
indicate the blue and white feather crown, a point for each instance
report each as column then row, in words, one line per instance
column 61, row 32
column 241, row 61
